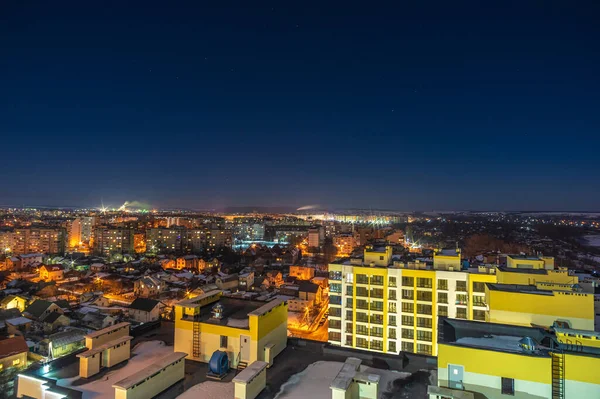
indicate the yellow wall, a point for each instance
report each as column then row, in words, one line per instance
column 156, row 384
column 110, row 335
column 251, row 389
column 515, row 263
column 557, row 276
column 524, row 308
column 117, row 355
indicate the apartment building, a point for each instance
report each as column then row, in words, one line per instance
column 43, row 240
column 383, row 305
column 109, row 241
column 165, row 240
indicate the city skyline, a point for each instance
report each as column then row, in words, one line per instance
column 402, row 107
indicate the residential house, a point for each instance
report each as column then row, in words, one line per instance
column 229, row 282
column 14, row 302
column 63, row 343
column 148, row 286
column 13, row 353
column 97, row 320
column 52, row 272
column 39, row 309
column 310, row 292
column 29, row 260
column 302, row 272
column 187, row 262
column 274, row 279
column 13, row 263
column 145, row 310
column 245, row 281
column 167, row 263
column 18, row 325
column 207, row 264
column 54, row 321
column 99, row 267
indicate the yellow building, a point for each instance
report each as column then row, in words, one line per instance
column 302, row 272
column 499, row 360
column 106, row 348
column 13, row 302
column 246, row 330
column 533, row 276
column 13, row 353
column 383, row 305
column 529, row 262
column 51, row 272
column 528, row 305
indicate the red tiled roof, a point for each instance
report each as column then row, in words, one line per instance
column 12, row 346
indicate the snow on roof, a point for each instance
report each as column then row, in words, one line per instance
column 238, row 323
column 246, row 375
column 502, row 342
column 18, row 321
column 149, row 371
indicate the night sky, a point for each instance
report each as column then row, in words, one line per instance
column 443, row 106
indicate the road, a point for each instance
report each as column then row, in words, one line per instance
column 320, row 334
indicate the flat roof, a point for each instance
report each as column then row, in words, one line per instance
column 105, row 346
column 149, row 371
column 195, row 301
column 524, row 271
column 519, row 288
column 251, row 371
column 267, row 307
column 107, row 330
column 235, row 312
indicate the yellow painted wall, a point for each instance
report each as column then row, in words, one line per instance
column 252, row 389
column 509, row 365
column 557, row 276
column 155, row 385
column 105, row 338
column 117, row 355
column 524, row 263
column 524, row 308
column 89, row 366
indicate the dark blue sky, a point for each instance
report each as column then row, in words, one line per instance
column 441, row 105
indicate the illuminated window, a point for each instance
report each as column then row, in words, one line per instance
column 16, row 362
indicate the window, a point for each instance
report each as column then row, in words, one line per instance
column 362, row 343
column 350, row 278
column 423, row 282
column 334, row 287
column 508, row 386
column 424, row 322
column 377, row 345
column 377, row 293
column 424, row 349
column 408, row 321
column 376, row 319
column 408, row 294
column 16, row 362
column 333, row 275
column 461, row 299
column 349, row 290
column 392, row 333
column 377, row 305
column 335, row 299
column 349, row 327
column 349, row 303
column 408, row 281
column 442, row 310
column 377, row 332
column 335, row 336
column 349, row 340
column 408, row 333
column 362, row 291
column 424, row 309
column 408, row 307
column 478, row 287
column 392, row 346
column 424, row 335
column 461, row 313
column 478, row 315
column 478, row 300
column 336, row 324
column 442, row 297
column 392, row 281
column 362, row 330
column 392, row 320
column 362, row 317
column 392, row 295
column 377, row 280
column 349, row 314
column 335, row 312
column 461, row 286
column 362, row 304
column 381, row 257
column 408, row 347
column 424, row 296
column 362, row 279
column 392, row 307
column 442, row 284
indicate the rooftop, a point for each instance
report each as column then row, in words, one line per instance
column 144, row 304
column 12, row 346
column 106, row 330
column 521, row 288
column 149, row 371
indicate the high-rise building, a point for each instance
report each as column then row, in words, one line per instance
column 383, row 305
column 165, row 239
column 109, row 241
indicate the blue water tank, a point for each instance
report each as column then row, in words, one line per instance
column 219, row 363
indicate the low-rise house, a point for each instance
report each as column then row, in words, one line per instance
column 207, row 264
column 245, row 281
column 14, row 302
column 187, row 262
column 29, row 260
column 97, row 320
column 148, row 286
column 18, row 325
column 145, row 310
column 63, row 343
column 99, row 267
column 52, row 272
column 310, row 292
column 105, row 348
column 229, row 282
column 54, row 321
column 13, row 353
column 167, row 263
column 39, row 309
column 302, row 272
column 13, row 263
column 274, row 279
